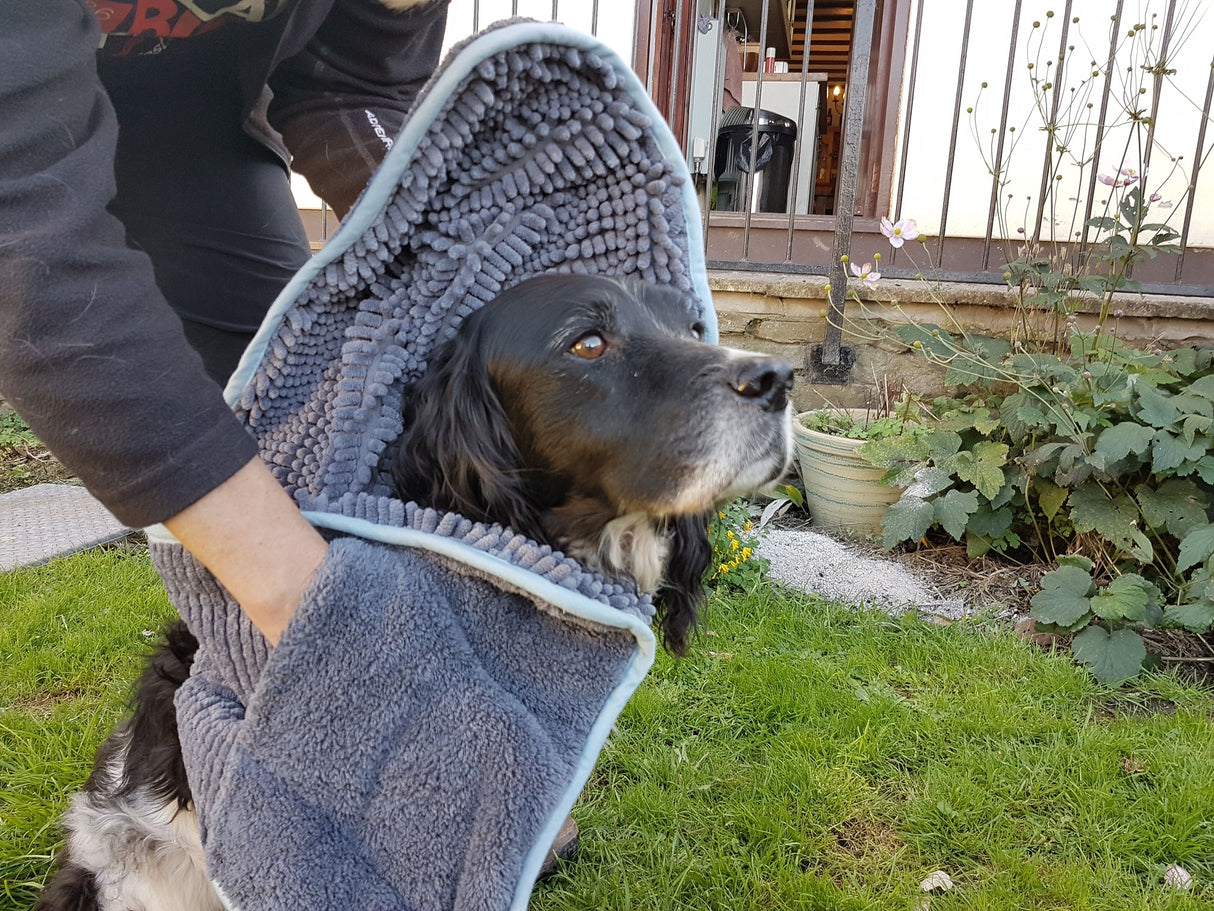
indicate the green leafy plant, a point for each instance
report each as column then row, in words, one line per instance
column 1070, row 446
column 855, row 427
column 14, row 432
column 1096, row 449
column 736, row 563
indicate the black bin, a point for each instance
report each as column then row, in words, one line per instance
column 767, row 188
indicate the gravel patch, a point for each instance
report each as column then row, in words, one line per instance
column 818, row 564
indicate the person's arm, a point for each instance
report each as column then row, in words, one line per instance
column 249, row 534
column 339, row 102
column 92, row 356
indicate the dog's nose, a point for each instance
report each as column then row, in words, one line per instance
column 766, row 380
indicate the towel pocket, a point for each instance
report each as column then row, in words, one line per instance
column 405, row 745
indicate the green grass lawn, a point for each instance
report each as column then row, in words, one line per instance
column 803, row 757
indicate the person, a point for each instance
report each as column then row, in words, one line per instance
column 147, row 223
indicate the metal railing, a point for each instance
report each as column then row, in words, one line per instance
column 974, row 235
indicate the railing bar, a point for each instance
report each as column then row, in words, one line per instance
column 555, row 11
column 1007, row 98
column 514, row 8
column 714, row 122
column 676, row 62
column 594, row 19
column 849, row 166
column 1157, row 88
column 1114, row 34
column 952, row 143
column 906, row 129
column 655, row 18
column 1192, row 189
column 754, row 136
column 799, row 146
column 1047, row 168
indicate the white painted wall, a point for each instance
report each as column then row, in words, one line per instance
column 937, row 86
column 616, row 22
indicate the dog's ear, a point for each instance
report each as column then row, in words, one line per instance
column 682, row 589
column 457, row 452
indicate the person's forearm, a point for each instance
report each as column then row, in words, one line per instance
column 255, row 541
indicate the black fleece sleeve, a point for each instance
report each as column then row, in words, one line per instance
column 339, row 102
column 91, row 355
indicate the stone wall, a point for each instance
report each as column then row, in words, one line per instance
column 784, row 315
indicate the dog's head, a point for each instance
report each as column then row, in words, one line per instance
column 587, row 412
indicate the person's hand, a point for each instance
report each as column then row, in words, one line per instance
column 251, row 536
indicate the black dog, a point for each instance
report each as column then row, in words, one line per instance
column 584, row 412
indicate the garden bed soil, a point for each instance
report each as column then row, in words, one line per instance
column 25, row 465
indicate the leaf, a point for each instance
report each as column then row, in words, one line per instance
column 1197, row 616
column 1063, row 599
column 1116, row 519
column 1015, row 483
column 929, row 482
column 1050, row 497
column 1084, row 563
column 1205, row 469
column 1155, row 406
column 976, row 545
column 929, row 338
column 1021, row 416
column 1169, row 452
column 1184, row 362
column 1203, row 387
column 1116, row 391
column 990, row 523
column 1175, row 505
column 1194, row 424
column 979, row 358
column 893, row 452
column 1192, row 404
column 1120, row 440
column 1113, row 657
column 981, row 466
column 907, row 520
column 1125, row 598
column 1196, row 547
column 942, row 445
column 953, row 510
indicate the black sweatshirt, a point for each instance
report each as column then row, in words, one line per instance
column 91, row 355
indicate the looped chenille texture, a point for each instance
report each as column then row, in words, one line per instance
column 418, row 736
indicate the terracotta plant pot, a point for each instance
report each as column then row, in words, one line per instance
column 842, row 491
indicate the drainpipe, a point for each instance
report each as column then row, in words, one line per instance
column 831, row 362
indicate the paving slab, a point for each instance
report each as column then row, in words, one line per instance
column 52, row 520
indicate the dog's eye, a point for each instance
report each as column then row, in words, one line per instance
column 698, row 331
column 589, row 346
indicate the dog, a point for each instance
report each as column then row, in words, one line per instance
column 585, row 412
column 588, row 413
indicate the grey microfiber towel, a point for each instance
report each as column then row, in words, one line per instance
column 438, row 702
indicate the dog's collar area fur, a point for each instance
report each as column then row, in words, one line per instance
column 630, row 546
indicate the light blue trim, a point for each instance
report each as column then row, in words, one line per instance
column 570, row 601
column 384, row 183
